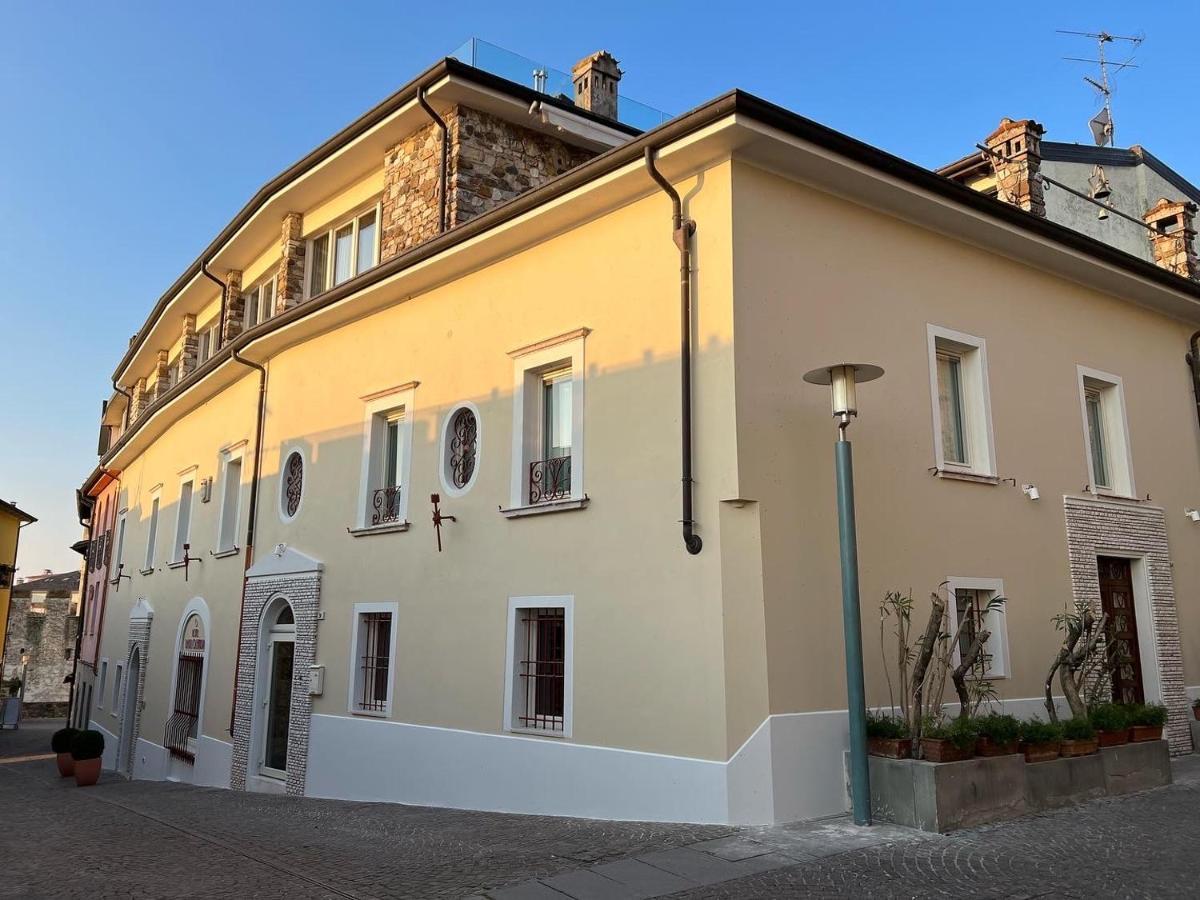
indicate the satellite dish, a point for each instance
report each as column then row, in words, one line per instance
column 1102, row 129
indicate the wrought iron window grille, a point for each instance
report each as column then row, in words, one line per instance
column 549, row 479
column 375, row 662
column 183, row 725
column 543, row 669
column 386, row 505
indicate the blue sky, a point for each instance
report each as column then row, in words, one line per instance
column 133, row 132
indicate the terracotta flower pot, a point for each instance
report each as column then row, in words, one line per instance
column 892, row 748
column 1145, row 733
column 1036, row 753
column 87, row 772
column 1080, row 747
column 1113, row 738
column 941, row 751
column 985, row 746
column 66, row 765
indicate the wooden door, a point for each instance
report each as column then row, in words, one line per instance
column 1116, row 595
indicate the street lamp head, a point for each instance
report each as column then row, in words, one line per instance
column 842, row 379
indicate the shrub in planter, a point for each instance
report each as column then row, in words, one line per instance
column 1040, row 741
column 1146, row 721
column 949, row 741
column 60, row 743
column 888, row 736
column 1111, row 721
column 997, row 735
column 87, row 747
column 1079, row 738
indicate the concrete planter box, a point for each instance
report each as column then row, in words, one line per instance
column 948, row 796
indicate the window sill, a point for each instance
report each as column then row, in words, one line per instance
column 517, row 512
column 539, row 732
column 371, row 713
column 178, row 564
column 1094, row 494
column 221, row 554
column 953, row 475
column 390, row 528
column 149, row 571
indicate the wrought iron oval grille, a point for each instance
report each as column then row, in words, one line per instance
column 293, row 484
column 464, row 447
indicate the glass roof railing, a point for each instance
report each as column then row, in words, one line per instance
column 546, row 80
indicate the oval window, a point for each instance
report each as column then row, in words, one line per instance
column 293, row 485
column 460, row 449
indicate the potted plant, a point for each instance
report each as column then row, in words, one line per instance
column 1146, row 721
column 1040, row 741
column 60, row 743
column 951, row 741
column 1196, row 707
column 1079, row 738
column 888, row 736
column 87, row 747
column 997, row 735
column 1111, row 721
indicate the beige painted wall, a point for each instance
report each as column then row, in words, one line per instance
column 649, row 627
column 818, row 280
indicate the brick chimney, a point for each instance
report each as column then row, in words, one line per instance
column 1016, row 160
column 1173, row 236
column 595, row 79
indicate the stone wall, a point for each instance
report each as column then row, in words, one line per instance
column 139, row 639
column 289, row 281
column 235, row 305
column 491, row 161
column 48, row 639
column 1107, row 528
column 303, row 592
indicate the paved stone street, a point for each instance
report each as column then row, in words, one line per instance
column 142, row 839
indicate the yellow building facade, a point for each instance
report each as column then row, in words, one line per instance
column 291, row 610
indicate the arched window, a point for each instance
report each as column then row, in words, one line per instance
column 183, row 726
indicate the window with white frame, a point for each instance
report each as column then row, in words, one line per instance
column 339, row 253
column 979, row 604
column 183, row 520
column 372, row 656
column 175, row 370
column 102, row 683
column 231, row 494
column 260, row 302
column 1106, row 433
column 387, row 453
column 539, row 665
column 116, row 688
column 206, row 342
column 152, row 531
column 548, row 407
column 962, row 419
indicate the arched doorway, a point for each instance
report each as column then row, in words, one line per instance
column 277, row 649
column 129, row 710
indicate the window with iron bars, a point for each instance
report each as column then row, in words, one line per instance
column 541, row 668
column 183, row 725
column 374, row 661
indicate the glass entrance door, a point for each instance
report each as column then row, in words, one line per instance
column 279, row 705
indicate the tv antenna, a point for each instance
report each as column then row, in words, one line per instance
column 1102, row 123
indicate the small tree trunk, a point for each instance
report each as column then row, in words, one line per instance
column 927, row 645
column 959, row 675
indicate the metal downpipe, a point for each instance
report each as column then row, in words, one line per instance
column 440, row 123
column 682, row 232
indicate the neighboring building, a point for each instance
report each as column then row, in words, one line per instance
column 43, row 621
column 12, row 520
column 1040, row 175
column 298, row 620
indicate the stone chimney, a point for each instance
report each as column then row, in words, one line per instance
column 1173, row 236
column 1016, row 158
column 595, row 79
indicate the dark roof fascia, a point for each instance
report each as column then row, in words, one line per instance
column 364, row 123
column 734, row 102
column 16, row 512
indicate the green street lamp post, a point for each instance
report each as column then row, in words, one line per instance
column 841, row 379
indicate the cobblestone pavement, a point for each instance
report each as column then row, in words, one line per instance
column 146, row 839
